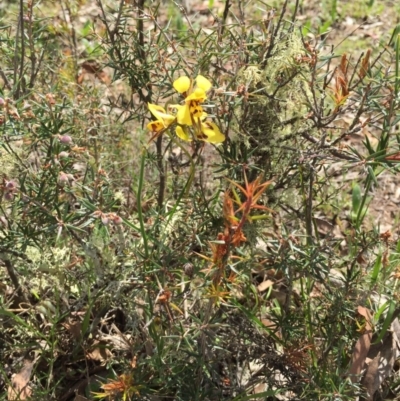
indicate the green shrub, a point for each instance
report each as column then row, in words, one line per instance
column 174, row 211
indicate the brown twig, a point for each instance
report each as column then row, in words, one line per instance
column 224, row 18
column 19, row 56
column 14, row 279
column 5, row 79
column 32, row 55
column 275, row 33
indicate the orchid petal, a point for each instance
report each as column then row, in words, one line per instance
column 203, row 83
column 181, row 133
column 159, row 113
column 183, row 116
column 156, row 126
column 182, row 84
column 212, row 132
column 198, row 95
column 197, row 112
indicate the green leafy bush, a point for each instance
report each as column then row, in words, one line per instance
column 175, row 222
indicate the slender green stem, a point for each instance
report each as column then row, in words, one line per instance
column 397, row 77
column 139, row 203
column 360, row 215
column 161, row 173
column 185, row 191
column 192, row 170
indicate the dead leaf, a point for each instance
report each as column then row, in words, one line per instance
column 80, row 398
column 91, row 66
column 117, row 341
column 99, row 352
column 104, row 77
column 368, row 317
column 359, row 355
column 336, row 278
column 361, row 349
column 371, row 378
column 280, row 296
column 74, row 327
column 383, row 356
column 19, row 388
column 268, row 323
column 324, row 227
column 265, row 285
column 395, row 327
column 94, row 68
column 277, row 275
column 260, row 388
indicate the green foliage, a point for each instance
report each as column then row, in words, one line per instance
column 189, row 269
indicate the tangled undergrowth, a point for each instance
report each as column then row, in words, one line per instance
column 175, row 220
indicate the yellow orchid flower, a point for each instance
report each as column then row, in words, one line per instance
column 183, row 116
column 164, row 120
column 205, row 131
column 203, row 83
column 191, row 114
column 184, row 84
column 182, row 133
column 192, row 110
column 212, row 133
